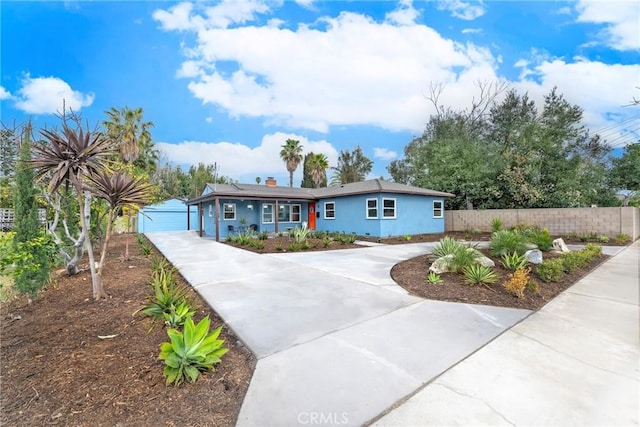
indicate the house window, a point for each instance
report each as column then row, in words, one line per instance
column 295, row 213
column 267, row 214
column 284, row 213
column 229, row 211
column 372, row 208
column 210, row 211
column 329, row 210
column 437, row 208
column 389, row 208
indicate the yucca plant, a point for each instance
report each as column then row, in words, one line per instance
column 446, row 246
column 514, row 261
column 300, row 234
column 191, row 352
column 476, row 274
column 178, row 315
column 496, row 224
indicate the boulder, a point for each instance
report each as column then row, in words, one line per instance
column 441, row 265
column 531, row 246
column 560, row 246
column 534, row 256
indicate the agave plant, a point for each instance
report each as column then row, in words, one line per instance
column 192, row 352
column 476, row 274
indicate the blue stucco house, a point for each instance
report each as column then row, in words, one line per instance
column 374, row 208
column 169, row 215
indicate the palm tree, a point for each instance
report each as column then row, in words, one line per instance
column 126, row 128
column 318, row 164
column 68, row 158
column 291, row 154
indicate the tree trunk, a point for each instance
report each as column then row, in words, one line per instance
column 105, row 243
column 85, row 217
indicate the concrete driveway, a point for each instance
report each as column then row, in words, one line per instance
column 337, row 341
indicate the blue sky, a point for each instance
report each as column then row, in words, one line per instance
column 229, row 82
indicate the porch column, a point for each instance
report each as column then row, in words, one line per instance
column 188, row 212
column 200, row 215
column 275, row 215
column 217, row 209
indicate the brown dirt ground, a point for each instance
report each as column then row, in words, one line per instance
column 273, row 245
column 412, row 274
column 55, row 370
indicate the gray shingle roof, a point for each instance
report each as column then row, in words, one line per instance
column 362, row 187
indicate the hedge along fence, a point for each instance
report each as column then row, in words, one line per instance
column 561, row 221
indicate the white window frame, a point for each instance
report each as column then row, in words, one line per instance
column 211, row 210
column 441, row 208
column 368, row 208
column 395, row 206
column 299, row 213
column 224, row 211
column 332, row 210
column 263, row 213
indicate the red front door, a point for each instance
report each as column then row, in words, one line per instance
column 312, row 216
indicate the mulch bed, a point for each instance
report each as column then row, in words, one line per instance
column 281, row 244
column 57, row 371
column 412, row 275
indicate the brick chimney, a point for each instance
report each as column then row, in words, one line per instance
column 270, row 182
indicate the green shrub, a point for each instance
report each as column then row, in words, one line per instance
column 476, row 274
column 293, row 247
column 514, row 261
column 279, row 247
column 326, row 241
column 595, row 250
column 542, row 239
column 507, row 242
column 434, row 278
column 257, row 244
column 192, row 352
column 622, row 239
column 465, row 256
column 551, row 270
column 574, row 260
column 603, row 238
column 167, row 293
column 263, row 235
column 496, row 224
column 407, row 237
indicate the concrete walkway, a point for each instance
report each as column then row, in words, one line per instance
column 337, row 341
column 574, row 362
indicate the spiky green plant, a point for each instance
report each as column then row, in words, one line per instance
column 514, row 261
column 496, row 224
column 191, row 352
column 476, row 274
column 434, row 278
column 507, row 242
column 178, row 315
column 446, row 246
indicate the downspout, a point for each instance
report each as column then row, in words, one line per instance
column 217, row 219
column 200, row 215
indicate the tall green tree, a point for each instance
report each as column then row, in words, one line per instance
column 625, row 171
column 318, row 165
column 8, row 157
column 314, row 170
column 291, row 154
column 27, row 225
column 515, row 156
column 353, row 166
column 127, row 128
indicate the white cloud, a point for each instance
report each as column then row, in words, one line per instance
column 621, row 17
column 600, row 89
column 209, row 119
column 308, row 4
column 45, row 95
column 244, row 163
column 405, row 14
column 463, row 10
column 384, row 154
column 184, row 17
column 4, row 94
column 472, row 31
column 355, row 71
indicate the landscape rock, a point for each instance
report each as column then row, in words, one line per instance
column 560, row 246
column 534, row 256
column 531, row 246
column 441, row 265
